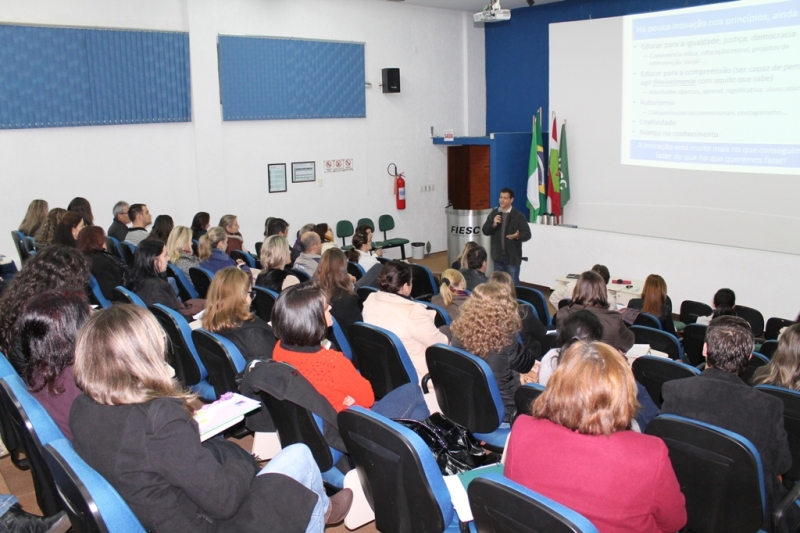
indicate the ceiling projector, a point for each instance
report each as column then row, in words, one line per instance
column 492, row 13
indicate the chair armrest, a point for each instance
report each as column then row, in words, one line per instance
column 424, row 297
column 425, row 379
column 781, row 508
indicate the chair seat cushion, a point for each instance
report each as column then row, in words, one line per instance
column 394, row 242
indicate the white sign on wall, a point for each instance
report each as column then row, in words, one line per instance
column 338, row 165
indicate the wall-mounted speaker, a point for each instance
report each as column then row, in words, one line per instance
column 391, row 80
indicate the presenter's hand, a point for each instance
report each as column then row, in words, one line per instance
column 497, row 220
column 514, row 236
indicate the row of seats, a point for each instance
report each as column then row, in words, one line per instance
column 344, row 229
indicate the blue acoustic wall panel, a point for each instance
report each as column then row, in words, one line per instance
column 272, row 78
column 53, row 77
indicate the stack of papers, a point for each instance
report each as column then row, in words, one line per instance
column 214, row 418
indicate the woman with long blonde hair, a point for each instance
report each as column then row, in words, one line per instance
column 783, row 369
column 134, row 426
column 275, row 256
column 488, row 327
column 452, row 292
column 179, row 249
column 34, row 217
column 230, row 223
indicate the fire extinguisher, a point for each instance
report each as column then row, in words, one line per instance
column 399, row 186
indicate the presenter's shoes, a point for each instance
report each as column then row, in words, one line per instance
column 15, row 520
column 339, row 506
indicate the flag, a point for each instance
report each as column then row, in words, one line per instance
column 535, row 193
column 553, row 185
column 562, row 155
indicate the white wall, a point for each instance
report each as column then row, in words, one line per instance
column 693, row 271
column 219, row 167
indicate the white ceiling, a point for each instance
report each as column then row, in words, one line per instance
column 472, row 5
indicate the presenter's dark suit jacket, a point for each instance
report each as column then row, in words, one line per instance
column 516, row 222
column 722, row 399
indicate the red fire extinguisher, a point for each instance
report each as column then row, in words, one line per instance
column 399, row 186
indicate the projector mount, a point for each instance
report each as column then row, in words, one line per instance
column 492, row 13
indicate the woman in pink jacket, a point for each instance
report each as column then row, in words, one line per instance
column 393, row 309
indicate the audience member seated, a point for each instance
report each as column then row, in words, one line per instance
column 119, row 227
column 267, row 222
column 82, row 206
column 452, row 293
column 275, row 257
column 590, row 294
column 308, row 261
column 300, row 318
column 278, row 226
column 655, row 301
column 533, row 332
column 149, row 281
column 34, row 217
column 462, row 257
column 563, row 292
column 337, row 285
column 140, row 219
column 47, row 233
column 325, row 236
column 179, row 249
column 134, row 426
column 391, row 308
column 367, row 230
column 68, row 229
column 298, row 244
column 475, row 273
column 212, row 251
column 200, row 223
column 586, row 456
column 718, row 397
column 783, row 369
column 162, row 227
column 724, row 305
column 361, row 252
column 230, row 223
column 47, row 328
column 489, row 327
column 54, row 268
column 106, row 268
column 228, row 313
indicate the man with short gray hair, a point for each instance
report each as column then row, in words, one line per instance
column 119, row 228
column 308, row 261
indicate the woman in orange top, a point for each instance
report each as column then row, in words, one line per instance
column 300, row 319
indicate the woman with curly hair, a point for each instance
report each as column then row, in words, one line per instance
column 533, row 332
column 54, row 268
column 488, row 327
column 783, row 369
column 47, row 232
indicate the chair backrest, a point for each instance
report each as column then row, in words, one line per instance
column 341, row 339
column 401, row 479
column 355, row 270
column 128, row 252
column 500, row 505
column 530, row 307
column 791, row 422
column 768, row 348
column 96, row 296
column 366, row 222
column 465, row 387
column 34, row 427
column 222, row 360
column 753, row 316
column 185, row 286
column 344, row 229
column 201, row 280
column 30, row 244
column 113, row 247
column 127, row 296
column 9, row 434
column 442, row 317
column 774, row 327
column 659, row 340
column 525, row 396
column 694, row 336
column 364, row 292
column 564, row 302
column 691, row 310
column 19, row 243
column 300, row 274
column 91, row 503
column 265, row 300
column 381, row 357
column 189, row 369
column 652, row 372
column 248, row 259
column 537, row 300
column 719, row 472
column 422, row 281
column 385, row 223
column 646, row 319
column 756, row 361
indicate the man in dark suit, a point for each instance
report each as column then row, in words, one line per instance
column 719, row 397
column 475, row 274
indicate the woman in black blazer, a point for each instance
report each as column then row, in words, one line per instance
column 106, row 269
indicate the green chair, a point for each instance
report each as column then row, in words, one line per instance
column 366, row 222
column 386, row 223
column 344, row 229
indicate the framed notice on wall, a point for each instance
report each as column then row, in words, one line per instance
column 277, row 177
column 305, row 171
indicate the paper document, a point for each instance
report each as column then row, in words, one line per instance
column 213, row 418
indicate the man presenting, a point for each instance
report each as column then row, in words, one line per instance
column 508, row 229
